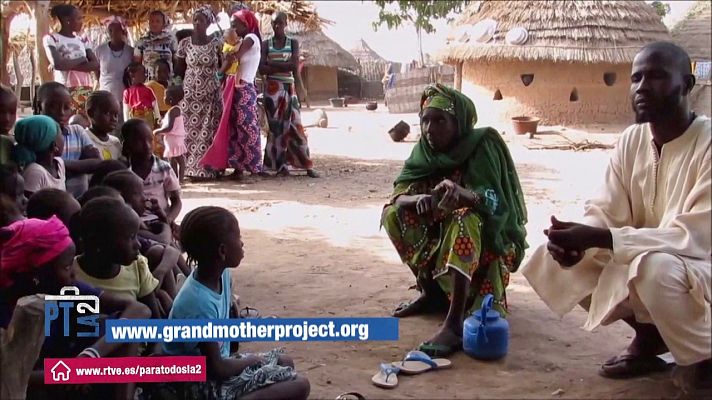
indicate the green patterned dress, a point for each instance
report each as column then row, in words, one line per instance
column 450, row 240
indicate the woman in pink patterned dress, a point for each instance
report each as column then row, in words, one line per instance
column 237, row 142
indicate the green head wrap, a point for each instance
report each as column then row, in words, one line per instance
column 33, row 135
column 433, row 97
column 487, row 167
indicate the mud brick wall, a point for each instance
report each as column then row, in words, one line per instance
column 559, row 93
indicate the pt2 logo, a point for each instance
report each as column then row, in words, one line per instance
column 68, row 299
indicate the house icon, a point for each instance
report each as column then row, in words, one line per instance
column 60, row 372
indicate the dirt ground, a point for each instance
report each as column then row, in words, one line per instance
column 314, row 249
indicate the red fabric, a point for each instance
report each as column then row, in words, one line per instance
column 248, row 18
column 29, row 244
column 139, row 97
column 216, row 156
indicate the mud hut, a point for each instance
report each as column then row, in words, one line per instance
column 323, row 58
column 371, row 64
column 694, row 34
column 371, row 71
column 566, row 62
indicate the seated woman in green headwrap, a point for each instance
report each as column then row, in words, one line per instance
column 456, row 216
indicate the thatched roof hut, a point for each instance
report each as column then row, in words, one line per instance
column 136, row 13
column 563, row 61
column 371, row 65
column 365, row 54
column 694, row 34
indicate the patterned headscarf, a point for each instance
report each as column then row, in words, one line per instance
column 207, row 11
column 30, row 244
column 248, row 18
column 33, row 134
column 114, row 19
column 433, row 97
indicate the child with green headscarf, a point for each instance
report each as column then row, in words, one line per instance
column 457, row 215
column 38, row 150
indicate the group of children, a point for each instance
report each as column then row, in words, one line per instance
column 114, row 235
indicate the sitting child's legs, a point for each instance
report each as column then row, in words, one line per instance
column 155, row 256
column 166, row 302
column 183, row 267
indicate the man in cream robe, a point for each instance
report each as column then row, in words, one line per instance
column 643, row 253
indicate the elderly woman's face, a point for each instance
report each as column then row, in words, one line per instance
column 439, row 128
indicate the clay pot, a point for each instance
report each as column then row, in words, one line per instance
column 399, row 131
column 524, row 125
column 371, row 106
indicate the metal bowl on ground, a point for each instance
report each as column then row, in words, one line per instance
column 371, row 106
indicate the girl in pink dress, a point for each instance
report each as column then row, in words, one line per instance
column 173, row 132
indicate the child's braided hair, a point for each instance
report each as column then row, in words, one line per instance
column 202, row 230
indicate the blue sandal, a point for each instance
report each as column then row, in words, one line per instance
column 417, row 362
column 387, row 376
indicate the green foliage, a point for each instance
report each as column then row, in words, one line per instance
column 661, row 8
column 418, row 12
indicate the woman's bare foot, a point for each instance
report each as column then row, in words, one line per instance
column 413, row 307
column 422, row 305
column 283, row 172
column 447, row 341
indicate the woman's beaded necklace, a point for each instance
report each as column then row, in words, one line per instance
column 121, row 53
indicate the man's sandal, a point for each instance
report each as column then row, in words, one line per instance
column 627, row 366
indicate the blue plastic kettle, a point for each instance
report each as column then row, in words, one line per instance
column 485, row 333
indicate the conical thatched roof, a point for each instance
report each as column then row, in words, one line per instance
column 565, row 31
column 365, row 54
column 694, row 33
column 317, row 48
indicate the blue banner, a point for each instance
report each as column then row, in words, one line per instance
column 252, row 330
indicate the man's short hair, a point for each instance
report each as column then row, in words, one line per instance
column 674, row 52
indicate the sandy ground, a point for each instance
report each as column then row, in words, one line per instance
column 314, row 249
